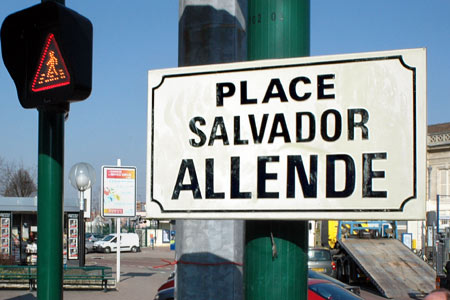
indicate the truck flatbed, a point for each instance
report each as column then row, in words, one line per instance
column 392, row 267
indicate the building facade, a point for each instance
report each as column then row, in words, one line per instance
column 438, row 190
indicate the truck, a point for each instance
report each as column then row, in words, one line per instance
column 369, row 251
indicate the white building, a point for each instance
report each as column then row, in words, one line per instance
column 438, row 163
column 438, row 183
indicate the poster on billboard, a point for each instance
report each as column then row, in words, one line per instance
column 118, row 191
column 5, row 221
column 73, row 237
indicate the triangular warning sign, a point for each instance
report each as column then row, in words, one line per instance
column 51, row 71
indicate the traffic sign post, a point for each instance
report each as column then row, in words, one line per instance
column 50, row 205
column 47, row 50
column 119, row 190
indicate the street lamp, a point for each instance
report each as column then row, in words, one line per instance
column 82, row 177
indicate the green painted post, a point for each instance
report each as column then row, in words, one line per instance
column 51, row 201
column 276, row 258
column 278, row 29
column 50, row 205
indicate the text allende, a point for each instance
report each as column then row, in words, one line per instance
column 295, row 172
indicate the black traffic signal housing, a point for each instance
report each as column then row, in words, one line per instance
column 47, row 49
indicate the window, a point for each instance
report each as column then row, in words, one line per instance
column 319, row 255
column 443, row 182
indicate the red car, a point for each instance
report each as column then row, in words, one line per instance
column 319, row 289
column 167, row 290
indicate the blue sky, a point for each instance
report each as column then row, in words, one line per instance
column 132, row 37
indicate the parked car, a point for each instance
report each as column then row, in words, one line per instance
column 319, row 289
column 352, row 288
column 93, row 237
column 321, row 260
column 128, row 242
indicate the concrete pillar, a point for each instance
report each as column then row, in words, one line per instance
column 210, row 32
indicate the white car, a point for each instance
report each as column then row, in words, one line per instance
column 128, row 242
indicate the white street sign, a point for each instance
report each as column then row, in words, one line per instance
column 332, row 137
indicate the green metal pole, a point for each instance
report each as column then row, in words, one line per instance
column 50, row 205
column 51, row 201
column 276, row 258
column 278, row 29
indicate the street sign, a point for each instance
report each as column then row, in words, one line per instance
column 118, row 192
column 332, row 137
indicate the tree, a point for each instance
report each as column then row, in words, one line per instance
column 16, row 181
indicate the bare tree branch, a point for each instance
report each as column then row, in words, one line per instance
column 16, row 181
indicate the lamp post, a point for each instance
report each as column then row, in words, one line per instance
column 82, row 177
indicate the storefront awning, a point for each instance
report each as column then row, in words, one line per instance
column 29, row 204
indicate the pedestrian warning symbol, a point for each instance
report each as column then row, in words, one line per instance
column 51, row 71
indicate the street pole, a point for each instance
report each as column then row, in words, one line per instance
column 437, row 213
column 81, row 231
column 119, row 163
column 425, row 223
column 436, row 238
column 276, row 261
column 209, row 34
column 50, row 202
column 50, row 205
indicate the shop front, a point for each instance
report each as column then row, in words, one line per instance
column 19, row 231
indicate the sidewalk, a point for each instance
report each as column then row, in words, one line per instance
column 138, row 279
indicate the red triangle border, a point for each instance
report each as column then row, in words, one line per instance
column 49, row 40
